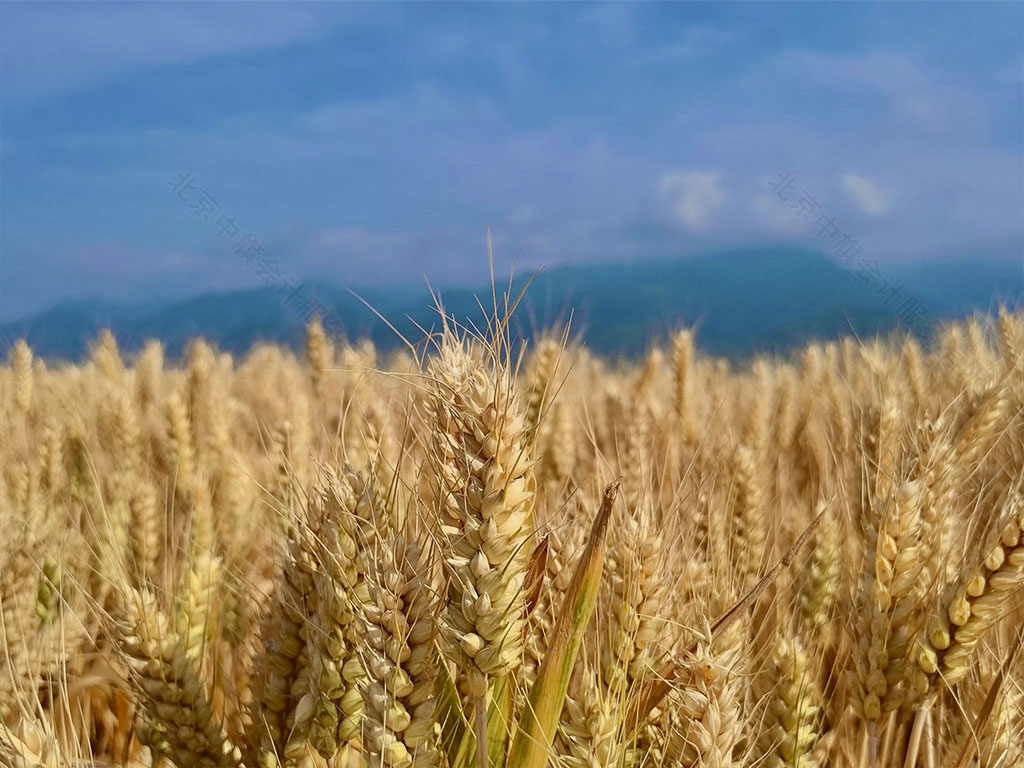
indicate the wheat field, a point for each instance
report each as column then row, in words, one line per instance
column 474, row 552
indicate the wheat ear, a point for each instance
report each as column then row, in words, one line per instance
column 21, row 361
column 486, row 484
column 791, row 728
column 179, row 721
column 980, row 599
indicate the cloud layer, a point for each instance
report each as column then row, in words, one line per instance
column 865, row 194
column 693, row 197
column 379, row 143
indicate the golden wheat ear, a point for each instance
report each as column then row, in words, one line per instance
column 651, row 694
column 983, row 731
column 535, row 731
column 179, row 721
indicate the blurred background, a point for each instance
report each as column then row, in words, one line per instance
column 767, row 172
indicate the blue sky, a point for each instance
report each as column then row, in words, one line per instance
column 373, row 144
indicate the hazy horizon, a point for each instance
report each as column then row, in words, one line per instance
column 376, row 144
column 477, row 280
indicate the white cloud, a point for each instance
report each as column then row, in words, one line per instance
column 776, row 217
column 692, row 197
column 865, row 194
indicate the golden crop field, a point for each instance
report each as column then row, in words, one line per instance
column 472, row 552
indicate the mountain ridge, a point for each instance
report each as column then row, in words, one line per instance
column 742, row 302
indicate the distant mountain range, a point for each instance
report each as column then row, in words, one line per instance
column 742, row 303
